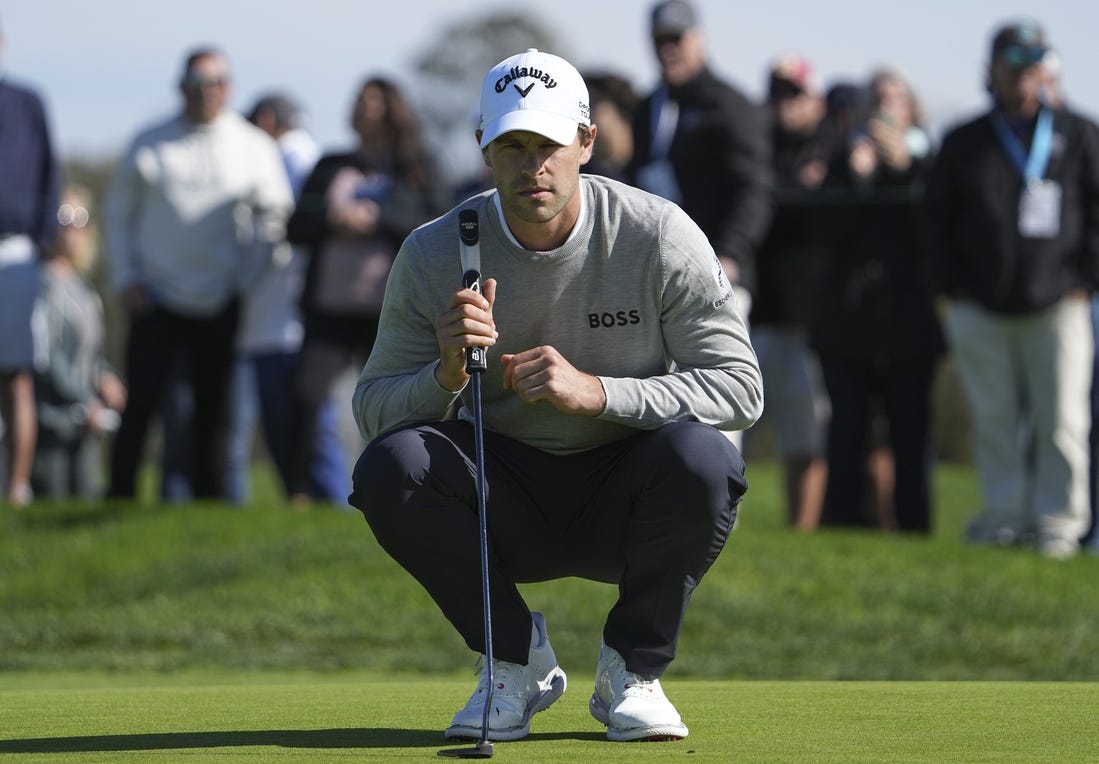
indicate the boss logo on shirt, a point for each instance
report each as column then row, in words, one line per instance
column 619, row 318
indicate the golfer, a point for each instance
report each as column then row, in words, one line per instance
column 615, row 354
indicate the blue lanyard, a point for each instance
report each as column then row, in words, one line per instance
column 664, row 118
column 1032, row 166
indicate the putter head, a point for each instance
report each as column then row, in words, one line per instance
column 483, row 750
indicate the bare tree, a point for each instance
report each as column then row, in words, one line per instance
column 448, row 77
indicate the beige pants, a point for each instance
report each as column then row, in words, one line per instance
column 1027, row 379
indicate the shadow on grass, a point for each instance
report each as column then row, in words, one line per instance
column 65, row 514
column 355, row 737
column 597, row 736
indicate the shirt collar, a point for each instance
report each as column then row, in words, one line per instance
column 576, row 228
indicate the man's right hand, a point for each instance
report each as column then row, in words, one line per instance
column 466, row 323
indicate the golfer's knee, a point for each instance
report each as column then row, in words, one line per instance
column 715, row 485
column 384, row 471
column 704, row 469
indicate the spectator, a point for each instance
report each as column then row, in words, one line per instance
column 876, row 330
column 280, row 116
column 845, row 109
column 1053, row 96
column 790, row 265
column 79, row 396
column 28, row 224
column 194, row 212
column 613, row 104
column 270, row 339
column 354, row 211
column 701, row 143
column 621, row 478
column 1013, row 211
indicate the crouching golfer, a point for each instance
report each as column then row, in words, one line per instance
column 615, row 356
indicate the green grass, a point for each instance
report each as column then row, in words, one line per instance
column 389, row 719
column 147, row 588
column 195, row 633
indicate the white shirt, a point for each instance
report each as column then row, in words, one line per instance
column 194, row 212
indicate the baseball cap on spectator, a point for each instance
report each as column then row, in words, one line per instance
column 673, row 18
column 1020, row 44
column 285, row 111
column 845, row 96
column 535, row 92
column 791, row 74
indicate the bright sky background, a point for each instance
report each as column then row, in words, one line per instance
column 108, row 67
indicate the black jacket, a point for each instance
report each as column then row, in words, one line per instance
column 875, row 303
column 972, row 212
column 792, row 256
column 722, row 164
column 404, row 207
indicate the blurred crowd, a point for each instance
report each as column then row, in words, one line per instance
column 250, row 265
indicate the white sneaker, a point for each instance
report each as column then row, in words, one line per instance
column 633, row 708
column 518, row 693
column 1058, row 548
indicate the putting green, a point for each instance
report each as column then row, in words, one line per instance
column 310, row 717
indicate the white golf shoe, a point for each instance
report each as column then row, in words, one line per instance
column 632, row 707
column 518, row 693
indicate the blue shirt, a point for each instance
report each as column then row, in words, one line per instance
column 28, row 168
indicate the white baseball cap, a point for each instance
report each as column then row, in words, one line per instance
column 537, row 92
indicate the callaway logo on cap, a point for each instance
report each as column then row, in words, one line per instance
column 536, row 92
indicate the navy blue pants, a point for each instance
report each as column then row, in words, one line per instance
column 649, row 513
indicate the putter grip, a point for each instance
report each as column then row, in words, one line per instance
column 469, row 236
column 476, row 358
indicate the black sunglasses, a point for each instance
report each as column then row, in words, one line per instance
column 1018, row 57
column 196, row 83
column 667, row 38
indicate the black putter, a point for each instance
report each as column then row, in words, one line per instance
column 477, row 364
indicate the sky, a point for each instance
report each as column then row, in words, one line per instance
column 109, row 67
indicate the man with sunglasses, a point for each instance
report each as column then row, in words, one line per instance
column 701, row 143
column 193, row 213
column 1013, row 229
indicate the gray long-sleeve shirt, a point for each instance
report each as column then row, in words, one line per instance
column 636, row 296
